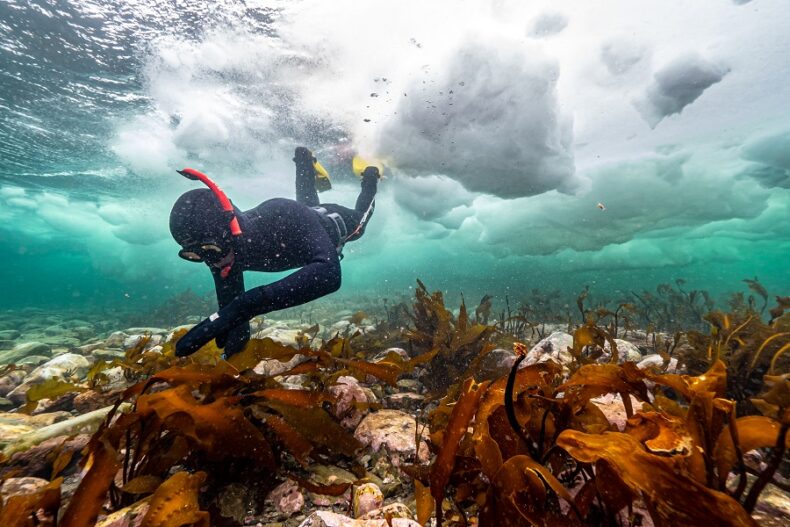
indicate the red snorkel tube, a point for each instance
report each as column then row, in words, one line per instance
column 235, row 229
column 195, row 175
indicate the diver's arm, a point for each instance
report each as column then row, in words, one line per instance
column 228, row 289
column 319, row 277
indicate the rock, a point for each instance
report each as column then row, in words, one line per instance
column 88, row 349
column 654, row 360
column 383, row 354
column 115, row 340
column 107, row 354
column 34, row 360
column 55, row 330
column 74, row 364
column 393, row 430
column 409, row 385
column 12, row 425
column 367, row 497
column 7, row 344
column 93, row 400
column 333, row 519
column 349, row 396
column 20, row 486
column 612, row 406
column 393, row 510
column 133, row 341
column 235, row 499
column 63, row 366
column 273, row 367
column 496, row 364
column 626, row 351
column 131, row 516
column 146, row 331
column 11, row 380
column 405, row 401
column 329, row 475
column 285, row 336
column 10, row 334
column 6, row 404
column 287, row 498
column 21, row 351
column 37, row 461
column 555, row 347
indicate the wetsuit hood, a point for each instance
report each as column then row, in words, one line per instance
column 197, row 217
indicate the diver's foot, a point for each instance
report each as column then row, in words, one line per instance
column 303, row 155
column 371, row 172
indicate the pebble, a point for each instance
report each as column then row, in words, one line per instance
column 367, row 497
column 287, row 498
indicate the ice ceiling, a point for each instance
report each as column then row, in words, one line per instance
column 541, row 144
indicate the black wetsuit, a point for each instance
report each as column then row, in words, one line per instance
column 277, row 235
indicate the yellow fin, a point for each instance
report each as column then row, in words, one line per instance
column 322, row 182
column 358, row 165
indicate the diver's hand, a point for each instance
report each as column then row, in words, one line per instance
column 234, row 340
column 220, row 323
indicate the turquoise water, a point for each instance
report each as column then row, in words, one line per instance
column 547, row 145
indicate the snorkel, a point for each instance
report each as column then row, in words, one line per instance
column 227, row 207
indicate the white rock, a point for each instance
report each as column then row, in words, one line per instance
column 555, row 347
column 655, row 360
column 626, row 351
column 332, row 519
column 272, row 367
column 58, row 366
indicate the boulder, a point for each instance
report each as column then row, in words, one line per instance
column 612, row 407
column 273, row 367
column 21, row 351
column 34, row 360
column 10, row 334
column 393, row 430
column 6, row 344
column 72, row 363
column 12, row 425
column 555, row 347
column 37, row 461
column 115, row 340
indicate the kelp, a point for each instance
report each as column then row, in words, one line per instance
column 445, row 345
column 540, row 452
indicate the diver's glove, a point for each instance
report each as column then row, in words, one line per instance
column 218, row 324
column 234, row 340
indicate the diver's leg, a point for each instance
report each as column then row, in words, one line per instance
column 305, row 177
column 370, row 181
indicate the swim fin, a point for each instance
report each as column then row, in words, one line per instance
column 358, row 165
column 322, row 181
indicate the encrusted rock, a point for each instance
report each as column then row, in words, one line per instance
column 349, row 396
column 393, row 510
column 287, row 498
column 626, row 351
column 367, row 497
column 394, row 430
column 37, row 461
column 612, row 406
column 20, row 486
column 495, row 364
column 332, row 519
column 555, row 347
column 272, row 367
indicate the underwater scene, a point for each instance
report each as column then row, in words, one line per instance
column 394, row 263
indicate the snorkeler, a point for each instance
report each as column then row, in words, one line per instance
column 277, row 235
